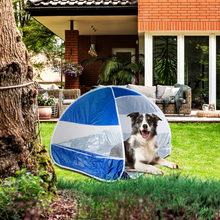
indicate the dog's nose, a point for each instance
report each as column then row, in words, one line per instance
column 145, row 126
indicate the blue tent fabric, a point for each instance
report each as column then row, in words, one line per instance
column 119, row 92
column 98, row 119
column 90, row 163
column 96, row 108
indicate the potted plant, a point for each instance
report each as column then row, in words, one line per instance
column 72, row 71
column 44, row 107
column 118, row 70
column 199, row 102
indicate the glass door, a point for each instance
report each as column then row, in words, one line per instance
column 197, row 68
column 165, row 60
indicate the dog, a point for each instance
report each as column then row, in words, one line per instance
column 141, row 148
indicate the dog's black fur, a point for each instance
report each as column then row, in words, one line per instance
column 136, row 120
column 141, row 148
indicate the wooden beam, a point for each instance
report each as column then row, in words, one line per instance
column 71, row 25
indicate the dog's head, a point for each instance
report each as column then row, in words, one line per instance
column 145, row 124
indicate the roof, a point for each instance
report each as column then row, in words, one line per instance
column 60, row 3
column 82, row 7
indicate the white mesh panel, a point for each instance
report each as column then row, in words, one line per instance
column 95, row 139
column 143, row 105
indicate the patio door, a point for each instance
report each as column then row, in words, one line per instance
column 164, row 60
column 218, row 72
column 197, row 67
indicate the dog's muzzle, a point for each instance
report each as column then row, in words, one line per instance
column 145, row 133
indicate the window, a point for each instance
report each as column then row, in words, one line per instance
column 218, row 72
column 165, row 60
column 124, row 52
column 197, row 66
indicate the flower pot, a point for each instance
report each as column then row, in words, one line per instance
column 71, row 82
column 199, row 107
column 44, row 112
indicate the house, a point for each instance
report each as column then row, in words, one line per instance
column 179, row 36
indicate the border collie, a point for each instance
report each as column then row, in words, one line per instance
column 141, row 148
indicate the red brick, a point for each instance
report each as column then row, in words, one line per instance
column 104, row 45
column 189, row 14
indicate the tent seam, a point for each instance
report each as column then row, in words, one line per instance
column 121, row 133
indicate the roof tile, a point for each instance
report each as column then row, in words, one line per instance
column 39, row 3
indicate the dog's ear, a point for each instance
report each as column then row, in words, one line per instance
column 133, row 114
column 155, row 116
column 133, row 117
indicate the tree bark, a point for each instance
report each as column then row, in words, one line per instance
column 18, row 140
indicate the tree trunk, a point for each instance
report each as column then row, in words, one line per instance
column 18, row 142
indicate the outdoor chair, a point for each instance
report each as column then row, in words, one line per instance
column 64, row 98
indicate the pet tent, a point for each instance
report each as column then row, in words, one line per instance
column 94, row 124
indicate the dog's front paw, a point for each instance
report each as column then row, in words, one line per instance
column 156, row 171
column 173, row 166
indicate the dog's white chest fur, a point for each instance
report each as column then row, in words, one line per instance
column 145, row 149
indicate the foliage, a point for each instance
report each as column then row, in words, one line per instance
column 117, row 70
column 44, row 101
column 197, row 66
column 71, row 68
column 199, row 101
column 35, row 36
column 39, row 65
column 23, row 197
column 154, row 197
column 204, row 76
column 165, row 60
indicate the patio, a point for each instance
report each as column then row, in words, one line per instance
column 192, row 118
column 171, row 118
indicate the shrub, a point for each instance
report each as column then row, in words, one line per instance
column 23, row 197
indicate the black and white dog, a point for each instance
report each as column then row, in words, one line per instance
column 141, row 148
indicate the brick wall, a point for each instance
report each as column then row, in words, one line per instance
column 178, row 15
column 71, row 54
column 71, row 45
column 103, row 46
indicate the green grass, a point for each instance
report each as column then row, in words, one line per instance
column 190, row 193
column 195, row 147
column 157, row 197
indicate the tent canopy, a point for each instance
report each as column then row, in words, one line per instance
column 94, row 124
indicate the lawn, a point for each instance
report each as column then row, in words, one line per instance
column 195, row 147
column 190, row 193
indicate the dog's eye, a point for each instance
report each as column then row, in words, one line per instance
column 139, row 121
column 149, row 121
